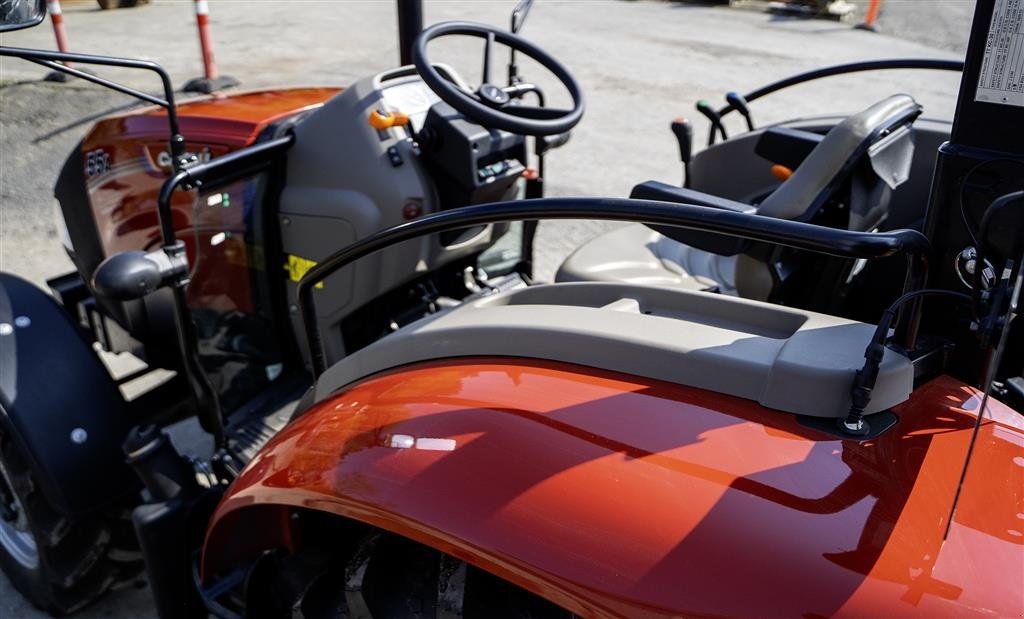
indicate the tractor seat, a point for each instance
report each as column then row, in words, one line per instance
column 856, row 164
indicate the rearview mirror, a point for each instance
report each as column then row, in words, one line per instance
column 519, row 15
column 18, row 14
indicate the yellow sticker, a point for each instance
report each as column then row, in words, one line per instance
column 297, row 267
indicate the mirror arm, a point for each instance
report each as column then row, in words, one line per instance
column 138, row 94
column 515, row 24
column 54, row 60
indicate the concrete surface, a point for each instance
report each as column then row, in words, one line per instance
column 639, row 63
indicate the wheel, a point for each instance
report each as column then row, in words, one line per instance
column 57, row 563
column 382, row 576
column 119, row 4
column 490, row 105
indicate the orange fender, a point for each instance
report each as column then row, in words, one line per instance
column 617, row 495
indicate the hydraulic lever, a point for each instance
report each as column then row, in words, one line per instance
column 739, row 104
column 716, row 120
column 683, row 130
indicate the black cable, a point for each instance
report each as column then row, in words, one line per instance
column 864, row 381
column 1000, row 203
column 963, row 192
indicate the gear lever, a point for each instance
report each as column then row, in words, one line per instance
column 683, row 130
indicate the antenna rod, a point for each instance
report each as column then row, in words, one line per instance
column 990, row 375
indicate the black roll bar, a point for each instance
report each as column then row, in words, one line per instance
column 410, row 25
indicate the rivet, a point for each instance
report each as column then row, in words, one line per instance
column 22, row 321
column 79, row 436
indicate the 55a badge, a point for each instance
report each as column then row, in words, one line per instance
column 97, row 162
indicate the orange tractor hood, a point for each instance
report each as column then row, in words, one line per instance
column 616, row 495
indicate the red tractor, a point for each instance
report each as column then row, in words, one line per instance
column 791, row 387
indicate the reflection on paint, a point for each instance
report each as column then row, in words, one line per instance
column 404, row 441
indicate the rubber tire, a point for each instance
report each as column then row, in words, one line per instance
column 79, row 559
column 400, row 582
column 119, row 4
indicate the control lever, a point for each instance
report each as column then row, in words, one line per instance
column 739, row 104
column 683, row 130
column 716, row 121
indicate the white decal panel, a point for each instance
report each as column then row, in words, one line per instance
column 1002, row 69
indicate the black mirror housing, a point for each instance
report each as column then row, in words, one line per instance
column 134, row 274
column 18, row 14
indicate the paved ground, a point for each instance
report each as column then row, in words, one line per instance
column 640, row 64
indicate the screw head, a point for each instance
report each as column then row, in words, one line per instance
column 22, row 322
column 79, row 436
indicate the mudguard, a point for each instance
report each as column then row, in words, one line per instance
column 617, row 495
column 59, row 403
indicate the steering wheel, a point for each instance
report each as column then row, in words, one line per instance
column 491, row 105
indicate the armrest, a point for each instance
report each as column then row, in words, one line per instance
column 707, row 241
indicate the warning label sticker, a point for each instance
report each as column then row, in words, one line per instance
column 1002, row 69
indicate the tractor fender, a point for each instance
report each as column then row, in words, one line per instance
column 59, row 403
column 615, row 495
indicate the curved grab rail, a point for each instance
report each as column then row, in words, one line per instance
column 842, row 69
column 795, row 234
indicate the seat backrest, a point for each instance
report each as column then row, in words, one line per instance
column 830, row 161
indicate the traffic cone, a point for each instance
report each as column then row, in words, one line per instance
column 211, row 81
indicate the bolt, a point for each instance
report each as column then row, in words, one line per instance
column 79, row 436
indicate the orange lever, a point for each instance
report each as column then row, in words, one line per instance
column 381, row 120
column 781, row 172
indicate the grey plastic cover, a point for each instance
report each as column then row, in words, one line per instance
column 787, row 359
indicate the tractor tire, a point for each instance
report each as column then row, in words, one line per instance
column 58, row 563
column 119, row 4
column 386, row 577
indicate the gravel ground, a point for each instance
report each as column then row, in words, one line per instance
column 640, row 63
column 943, row 24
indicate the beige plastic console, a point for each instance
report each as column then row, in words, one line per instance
column 787, row 359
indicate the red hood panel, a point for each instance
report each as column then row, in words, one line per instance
column 619, row 495
column 232, row 120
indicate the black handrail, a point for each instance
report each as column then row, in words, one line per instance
column 225, row 168
column 842, row 69
column 241, row 162
column 799, row 235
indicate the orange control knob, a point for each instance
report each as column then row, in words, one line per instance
column 381, row 119
column 401, row 119
column 781, row 172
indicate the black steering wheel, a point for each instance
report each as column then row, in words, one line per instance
column 491, row 105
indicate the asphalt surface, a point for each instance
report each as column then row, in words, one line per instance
column 639, row 63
